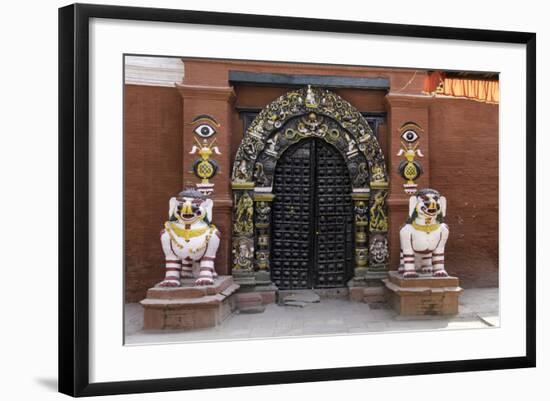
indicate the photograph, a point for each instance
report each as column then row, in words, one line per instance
column 275, row 199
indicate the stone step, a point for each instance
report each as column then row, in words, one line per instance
column 250, row 302
column 298, row 298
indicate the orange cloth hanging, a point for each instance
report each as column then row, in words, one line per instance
column 484, row 90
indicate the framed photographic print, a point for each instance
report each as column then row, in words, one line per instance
column 299, row 199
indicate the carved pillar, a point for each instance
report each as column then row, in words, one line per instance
column 361, row 213
column 378, row 231
column 262, row 213
column 243, row 231
column 403, row 109
column 215, row 103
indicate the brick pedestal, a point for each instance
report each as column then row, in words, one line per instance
column 189, row 307
column 369, row 295
column 423, row 295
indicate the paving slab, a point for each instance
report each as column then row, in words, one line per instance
column 304, row 296
column 330, row 316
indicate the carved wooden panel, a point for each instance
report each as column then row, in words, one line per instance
column 292, row 217
column 312, row 227
column 334, row 218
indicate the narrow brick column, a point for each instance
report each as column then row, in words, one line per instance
column 216, row 102
column 403, row 109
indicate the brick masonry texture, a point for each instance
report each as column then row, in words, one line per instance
column 152, row 174
column 464, row 167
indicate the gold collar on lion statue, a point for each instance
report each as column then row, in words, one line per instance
column 426, row 228
column 188, row 233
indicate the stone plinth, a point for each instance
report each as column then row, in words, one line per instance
column 257, row 290
column 424, row 295
column 368, row 295
column 189, row 307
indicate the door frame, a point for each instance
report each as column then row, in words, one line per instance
column 327, row 116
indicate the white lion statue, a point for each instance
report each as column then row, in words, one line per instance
column 424, row 236
column 189, row 239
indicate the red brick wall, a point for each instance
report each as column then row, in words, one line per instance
column 464, row 168
column 152, row 174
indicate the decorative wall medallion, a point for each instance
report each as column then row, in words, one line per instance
column 410, row 169
column 205, row 168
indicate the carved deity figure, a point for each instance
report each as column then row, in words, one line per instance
column 361, row 210
column 378, row 217
column 189, row 240
column 379, row 250
column 243, row 215
column 243, row 254
column 424, row 236
column 241, row 172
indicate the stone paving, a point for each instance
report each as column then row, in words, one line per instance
column 478, row 309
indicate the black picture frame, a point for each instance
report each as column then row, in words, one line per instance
column 74, row 194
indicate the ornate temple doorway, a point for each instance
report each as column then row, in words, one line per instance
column 309, row 187
column 312, row 218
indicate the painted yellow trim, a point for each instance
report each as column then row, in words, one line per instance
column 379, row 185
column 242, row 185
column 267, row 197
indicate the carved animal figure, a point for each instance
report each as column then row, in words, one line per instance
column 189, row 239
column 424, row 236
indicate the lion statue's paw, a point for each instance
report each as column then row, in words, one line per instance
column 204, row 281
column 410, row 275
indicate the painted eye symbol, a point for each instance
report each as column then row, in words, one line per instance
column 409, row 136
column 205, row 130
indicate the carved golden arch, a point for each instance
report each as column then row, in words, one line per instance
column 313, row 112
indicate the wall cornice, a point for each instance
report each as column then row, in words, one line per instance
column 222, row 93
column 153, row 71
